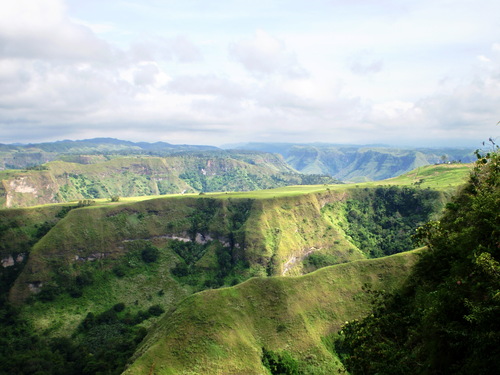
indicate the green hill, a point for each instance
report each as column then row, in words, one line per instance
column 85, row 151
column 224, row 331
column 86, row 282
column 60, row 181
column 445, row 319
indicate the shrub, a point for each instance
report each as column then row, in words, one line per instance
column 280, row 363
column 85, row 202
column 119, row 307
column 119, row 270
column 156, row 310
column 150, row 254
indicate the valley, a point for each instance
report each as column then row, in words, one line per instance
column 67, row 171
column 257, row 282
column 210, row 282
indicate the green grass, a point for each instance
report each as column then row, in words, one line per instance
column 273, row 231
column 143, row 286
column 444, row 177
column 438, row 177
column 223, row 331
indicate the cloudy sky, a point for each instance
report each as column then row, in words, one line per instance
column 399, row 72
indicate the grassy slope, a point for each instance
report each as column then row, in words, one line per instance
column 20, row 228
column 274, row 238
column 85, row 232
column 223, row 331
column 283, row 224
column 439, row 177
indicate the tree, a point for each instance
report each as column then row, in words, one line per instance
column 150, row 254
column 445, row 320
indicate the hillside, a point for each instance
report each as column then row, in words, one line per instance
column 359, row 163
column 445, row 319
column 284, row 315
column 343, row 162
column 93, row 279
column 60, row 181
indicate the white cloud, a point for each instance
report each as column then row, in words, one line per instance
column 209, row 85
column 40, row 30
column 328, row 71
column 265, row 54
column 178, row 48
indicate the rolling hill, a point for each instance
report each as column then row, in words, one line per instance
column 87, row 282
column 290, row 315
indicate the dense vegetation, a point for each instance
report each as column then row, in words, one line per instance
column 381, row 221
column 102, row 343
column 101, row 274
column 446, row 319
column 60, row 181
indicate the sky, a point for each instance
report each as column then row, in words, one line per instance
column 398, row 72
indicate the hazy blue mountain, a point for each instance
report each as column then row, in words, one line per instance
column 359, row 163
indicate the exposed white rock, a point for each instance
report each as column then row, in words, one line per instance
column 8, row 261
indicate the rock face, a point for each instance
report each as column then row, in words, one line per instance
column 25, row 189
column 8, row 261
column 12, row 260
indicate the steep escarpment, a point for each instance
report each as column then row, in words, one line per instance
column 60, row 181
column 212, row 242
column 96, row 278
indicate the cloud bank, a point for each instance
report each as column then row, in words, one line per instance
column 344, row 72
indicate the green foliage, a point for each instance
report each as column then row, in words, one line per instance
column 23, row 353
column 446, row 319
column 119, row 307
column 39, row 167
column 65, row 281
column 381, row 221
column 102, row 346
column 150, row 254
column 109, row 339
column 190, row 252
column 282, row 363
column 318, row 260
column 224, row 272
column 156, row 310
column 85, row 202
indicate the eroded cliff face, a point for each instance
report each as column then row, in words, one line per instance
column 134, row 176
column 267, row 236
column 282, row 232
column 30, row 189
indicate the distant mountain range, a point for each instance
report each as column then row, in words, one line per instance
column 356, row 163
column 351, row 163
column 26, row 155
